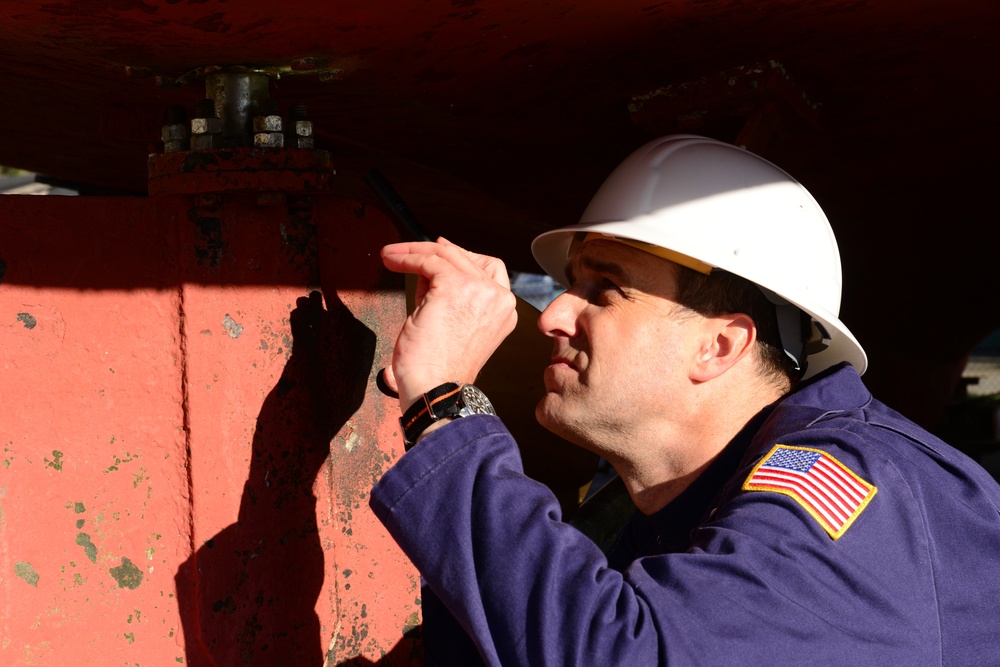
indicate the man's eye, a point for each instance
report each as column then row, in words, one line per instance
column 604, row 290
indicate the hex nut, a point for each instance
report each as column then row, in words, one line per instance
column 269, row 140
column 206, row 126
column 203, row 142
column 303, row 128
column 174, row 137
column 173, row 132
column 267, row 124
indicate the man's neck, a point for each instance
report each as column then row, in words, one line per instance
column 675, row 455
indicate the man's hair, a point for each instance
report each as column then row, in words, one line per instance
column 721, row 292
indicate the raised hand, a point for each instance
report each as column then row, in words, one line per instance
column 464, row 310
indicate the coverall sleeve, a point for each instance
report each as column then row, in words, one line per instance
column 760, row 585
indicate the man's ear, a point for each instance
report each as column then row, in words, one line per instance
column 727, row 339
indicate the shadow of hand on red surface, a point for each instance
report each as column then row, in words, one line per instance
column 248, row 595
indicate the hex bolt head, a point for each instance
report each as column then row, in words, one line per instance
column 175, row 137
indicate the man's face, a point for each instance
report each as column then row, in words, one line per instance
column 622, row 348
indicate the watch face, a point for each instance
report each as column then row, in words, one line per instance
column 476, row 402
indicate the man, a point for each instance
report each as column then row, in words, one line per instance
column 786, row 517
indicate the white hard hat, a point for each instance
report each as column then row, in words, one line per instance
column 729, row 209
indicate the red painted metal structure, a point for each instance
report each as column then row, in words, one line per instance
column 188, row 415
column 186, row 465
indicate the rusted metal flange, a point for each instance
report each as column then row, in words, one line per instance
column 288, row 170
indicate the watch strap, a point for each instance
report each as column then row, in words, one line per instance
column 439, row 403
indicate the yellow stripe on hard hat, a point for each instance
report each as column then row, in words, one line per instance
column 664, row 253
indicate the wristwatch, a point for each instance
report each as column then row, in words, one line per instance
column 449, row 400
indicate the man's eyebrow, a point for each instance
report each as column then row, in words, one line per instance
column 597, row 265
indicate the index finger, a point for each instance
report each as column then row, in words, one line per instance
column 492, row 266
column 455, row 255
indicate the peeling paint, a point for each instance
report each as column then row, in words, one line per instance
column 89, row 548
column 118, row 461
column 56, row 462
column 352, row 441
column 27, row 319
column 127, row 574
column 25, row 571
column 232, row 326
column 79, row 508
column 412, row 622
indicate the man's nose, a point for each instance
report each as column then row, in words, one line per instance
column 559, row 317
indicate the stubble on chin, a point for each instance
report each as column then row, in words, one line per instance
column 551, row 413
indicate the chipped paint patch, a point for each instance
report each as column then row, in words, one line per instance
column 118, row 461
column 412, row 622
column 56, row 462
column 127, row 574
column 27, row 572
column 89, row 548
column 232, row 326
column 27, row 319
column 352, row 441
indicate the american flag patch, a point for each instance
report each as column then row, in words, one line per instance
column 821, row 484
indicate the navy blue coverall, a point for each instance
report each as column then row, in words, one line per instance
column 886, row 551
